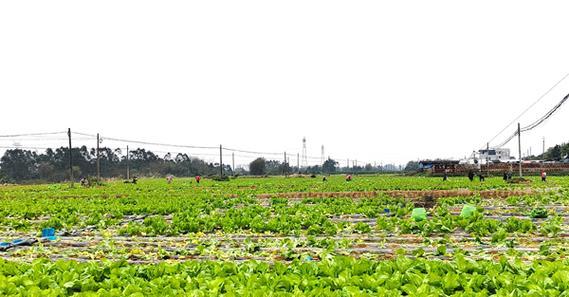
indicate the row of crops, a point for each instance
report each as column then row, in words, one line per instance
column 339, row 276
column 249, row 237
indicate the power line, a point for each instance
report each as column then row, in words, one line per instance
column 249, row 152
column 24, row 147
column 43, row 139
column 190, row 146
column 87, row 136
column 527, row 109
column 546, row 116
column 32, row 134
column 148, row 143
column 537, row 122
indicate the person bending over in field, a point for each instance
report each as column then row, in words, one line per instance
column 481, row 177
column 134, row 179
column 471, row 175
column 169, row 179
column 198, row 178
column 543, row 176
column 349, row 177
column 85, row 182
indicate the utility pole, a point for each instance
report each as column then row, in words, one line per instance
column 233, row 162
column 520, row 148
column 98, row 163
column 487, row 158
column 284, row 165
column 127, row 164
column 70, row 158
column 298, row 162
column 322, row 155
column 220, row 161
column 348, row 164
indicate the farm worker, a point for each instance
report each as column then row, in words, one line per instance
column 198, row 178
column 470, row 175
column 445, row 177
column 480, row 177
column 169, row 178
column 348, row 177
column 324, row 179
column 505, row 176
column 543, row 176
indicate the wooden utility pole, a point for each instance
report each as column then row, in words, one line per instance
column 98, row 163
column 70, row 158
column 220, row 162
column 520, row 148
column 233, row 162
column 487, row 158
column 284, row 164
column 127, row 164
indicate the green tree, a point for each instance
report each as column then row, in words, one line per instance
column 258, row 166
column 555, row 153
column 329, row 166
column 18, row 164
column 412, row 166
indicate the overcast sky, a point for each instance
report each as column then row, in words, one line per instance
column 369, row 80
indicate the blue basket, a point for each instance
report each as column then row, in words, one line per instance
column 386, row 210
column 48, row 232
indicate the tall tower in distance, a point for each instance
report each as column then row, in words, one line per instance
column 304, row 156
column 322, row 155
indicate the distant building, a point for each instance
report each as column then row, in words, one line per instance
column 495, row 155
column 438, row 166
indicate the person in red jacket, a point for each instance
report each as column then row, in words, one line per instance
column 198, row 178
column 543, row 176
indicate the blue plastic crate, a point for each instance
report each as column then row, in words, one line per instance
column 48, row 232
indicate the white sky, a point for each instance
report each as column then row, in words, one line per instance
column 370, row 80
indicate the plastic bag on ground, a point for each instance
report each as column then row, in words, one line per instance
column 419, row 214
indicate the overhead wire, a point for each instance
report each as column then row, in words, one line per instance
column 249, row 152
column 31, row 134
column 24, row 147
column 537, row 122
column 146, row 142
column 529, row 107
column 87, row 136
column 546, row 116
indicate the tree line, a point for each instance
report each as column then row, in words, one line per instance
column 261, row 166
column 20, row 165
column 17, row 165
column 557, row 152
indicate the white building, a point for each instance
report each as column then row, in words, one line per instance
column 495, row 154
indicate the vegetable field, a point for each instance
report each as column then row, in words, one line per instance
column 288, row 237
